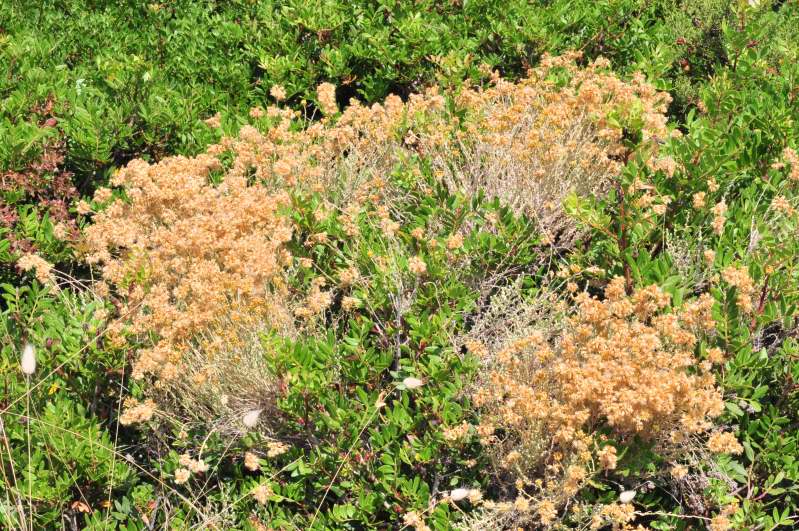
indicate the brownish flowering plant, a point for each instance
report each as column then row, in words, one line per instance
column 625, row 363
column 180, row 250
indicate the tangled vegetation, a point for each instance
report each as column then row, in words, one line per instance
column 408, row 265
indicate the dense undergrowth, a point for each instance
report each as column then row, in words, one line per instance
column 354, row 265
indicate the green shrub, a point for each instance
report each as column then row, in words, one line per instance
column 59, row 457
column 127, row 80
column 367, row 393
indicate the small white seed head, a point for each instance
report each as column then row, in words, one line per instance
column 28, row 361
column 459, row 494
column 412, row 383
column 250, row 419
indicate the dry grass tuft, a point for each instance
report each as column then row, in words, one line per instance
column 225, row 377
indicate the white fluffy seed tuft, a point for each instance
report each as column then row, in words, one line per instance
column 250, row 419
column 28, row 361
column 459, row 494
column 412, row 383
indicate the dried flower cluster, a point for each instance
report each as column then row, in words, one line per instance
column 189, row 466
column 532, row 143
column 719, row 217
column 180, row 250
column 41, row 268
column 790, row 158
column 136, row 411
column 724, row 443
column 528, row 143
column 326, row 94
column 739, row 278
column 625, row 362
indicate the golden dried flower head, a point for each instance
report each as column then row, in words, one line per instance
column 781, row 204
column 455, row 241
column 262, row 493
column 665, row 164
column 348, row 303
column 417, row 266
column 214, row 121
column 349, row 276
column 278, row 92
column 792, row 158
column 699, row 200
column 198, row 466
column 414, row 520
column 546, row 512
column 276, row 448
column 42, row 269
column 251, row 461
column 720, row 523
column 719, row 217
column 326, row 95
column 521, row 504
column 715, row 355
column 739, row 278
column 83, row 208
column 607, row 457
column 182, row 476
column 724, row 443
column 136, row 412
column 457, row 433
column 618, row 513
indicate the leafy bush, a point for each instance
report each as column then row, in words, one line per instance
column 106, row 82
column 177, row 269
column 57, row 456
column 401, row 248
